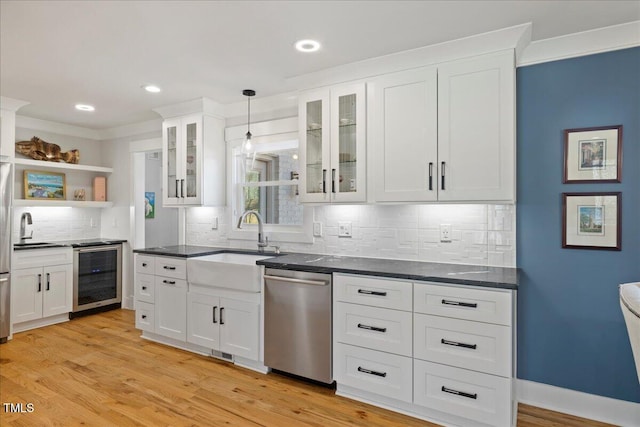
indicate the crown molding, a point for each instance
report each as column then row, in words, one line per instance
column 590, row 42
column 198, row 105
column 11, row 104
column 58, row 128
column 148, row 127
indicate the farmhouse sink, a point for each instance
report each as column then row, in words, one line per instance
column 227, row 270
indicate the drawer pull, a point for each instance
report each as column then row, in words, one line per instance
column 371, row 328
column 144, row 288
column 376, row 293
column 461, row 304
column 144, row 316
column 144, row 264
column 169, row 267
column 460, row 393
column 221, row 312
column 169, row 282
column 39, row 282
column 370, row 372
column 458, row 344
column 215, row 308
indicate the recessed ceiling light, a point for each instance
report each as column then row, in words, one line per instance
column 85, row 107
column 151, row 88
column 307, row 45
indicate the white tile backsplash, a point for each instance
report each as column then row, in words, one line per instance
column 52, row 224
column 481, row 234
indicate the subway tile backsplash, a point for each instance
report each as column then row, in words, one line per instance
column 480, row 234
column 58, row 223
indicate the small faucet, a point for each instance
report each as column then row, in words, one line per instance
column 24, row 220
column 263, row 241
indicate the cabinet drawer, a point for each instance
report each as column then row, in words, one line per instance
column 374, row 292
column 169, row 281
column 145, row 264
column 480, row 397
column 381, row 373
column 171, row 267
column 463, row 303
column 376, row 328
column 41, row 257
column 472, row 345
column 144, row 316
column 145, row 286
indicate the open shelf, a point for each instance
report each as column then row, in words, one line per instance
column 40, row 164
column 62, row 203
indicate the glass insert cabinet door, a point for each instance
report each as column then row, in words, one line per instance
column 182, row 148
column 191, row 160
column 171, row 160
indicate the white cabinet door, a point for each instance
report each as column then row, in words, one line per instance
column 314, row 130
column 404, row 135
column 171, row 161
column 476, row 128
column 57, row 297
column 191, row 181
column 203, row 320
column 26, row 294
column 240, row 328
column 171, row 308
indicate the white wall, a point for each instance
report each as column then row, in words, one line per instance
column 162, row 230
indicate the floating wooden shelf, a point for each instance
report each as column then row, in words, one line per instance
column 39, row 164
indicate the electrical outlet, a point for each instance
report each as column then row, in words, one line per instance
column 214, row 223
column 317, row 229
column 445, row 232
column 344, row 229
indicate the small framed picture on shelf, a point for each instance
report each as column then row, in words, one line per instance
column 593, row 155
column 44, row 185
column 592, row 221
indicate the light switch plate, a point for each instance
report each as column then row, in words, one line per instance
column 214, row 223
column 445, row 232
column 317, row 229
column 344, row 229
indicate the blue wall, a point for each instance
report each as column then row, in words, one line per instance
column 571, row 332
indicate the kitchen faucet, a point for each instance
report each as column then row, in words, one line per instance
column 262, row 243
column 24, row 220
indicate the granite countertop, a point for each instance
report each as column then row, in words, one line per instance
column 74, row 243
column 495, row 277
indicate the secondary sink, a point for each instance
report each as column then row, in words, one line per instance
column 227, row 270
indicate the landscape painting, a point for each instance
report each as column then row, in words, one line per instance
column 591, row 220
column 44, row 185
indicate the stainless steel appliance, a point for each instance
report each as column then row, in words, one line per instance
column 297, row 326
column 6, row 195
column 97, row 275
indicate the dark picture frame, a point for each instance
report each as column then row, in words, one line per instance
column 593, row 155
column 592, row 221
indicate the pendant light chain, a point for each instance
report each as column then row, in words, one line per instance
column 248, row 93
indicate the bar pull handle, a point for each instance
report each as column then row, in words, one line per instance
column 442, row 165
column 430, row 176
column 169, row 267
column 371, row 328
column 458, row 344
column 296, row 281
column 324, row 180
column 177, row 194
column 221, row 313
column 182, row 188
column 459, row 393
column 215, row 308
column 368, row 292
column 169, row 282
column 48, row 281
column 370, row 372
column 333, row 180
column 39, row 282
column 460, row 304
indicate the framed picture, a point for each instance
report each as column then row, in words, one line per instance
column 593, row 154
column 44, row 185
column 149, row 204
column 592, row 220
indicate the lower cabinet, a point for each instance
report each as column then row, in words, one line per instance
column 224, row 324
column 443, row 353
column 171, row 307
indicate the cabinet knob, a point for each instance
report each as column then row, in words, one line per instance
column 144, row 264
column 144, row 316
column 144, row 288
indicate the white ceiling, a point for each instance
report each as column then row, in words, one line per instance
column 55, row 54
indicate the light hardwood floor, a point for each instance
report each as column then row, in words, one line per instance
column 97, row 371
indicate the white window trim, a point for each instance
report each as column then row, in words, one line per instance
column 275, row 232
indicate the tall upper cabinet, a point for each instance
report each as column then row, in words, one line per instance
column 445, row 133
column 333, row 144
column 193, row 159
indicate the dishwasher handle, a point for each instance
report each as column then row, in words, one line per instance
column 297, row 281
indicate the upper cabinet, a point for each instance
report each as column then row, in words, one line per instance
column 445, row 133
column 193, row 152
column 333, row 144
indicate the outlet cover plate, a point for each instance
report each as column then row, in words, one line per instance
column 445, row 232
column 344, row 229
column 317, row 229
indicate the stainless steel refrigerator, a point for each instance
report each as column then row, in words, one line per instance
column 5, row 249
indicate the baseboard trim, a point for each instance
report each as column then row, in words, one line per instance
column 591, row 406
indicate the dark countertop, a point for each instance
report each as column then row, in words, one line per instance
column 477, row 275
column 74, row 243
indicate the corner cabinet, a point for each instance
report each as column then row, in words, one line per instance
column 333, row 144
column 193, row 151
column 446, row 132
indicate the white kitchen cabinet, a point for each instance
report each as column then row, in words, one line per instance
column 193, row 161
column 445, row 132
column 42, row 292
column 225, row 324
column 333, row 144
column 171, row 307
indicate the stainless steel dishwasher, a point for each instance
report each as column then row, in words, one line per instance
column 297, row 326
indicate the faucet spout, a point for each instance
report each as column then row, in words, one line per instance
column 25, row 219
column 262, row 240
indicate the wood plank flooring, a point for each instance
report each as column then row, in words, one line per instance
column 97, row 371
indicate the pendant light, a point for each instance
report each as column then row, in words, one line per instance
column 248, row 93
